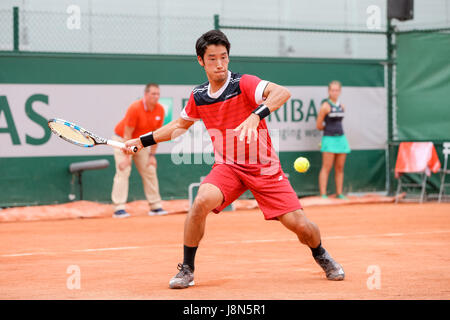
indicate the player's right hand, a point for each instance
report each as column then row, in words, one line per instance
column 130, row 144
column 249, row 128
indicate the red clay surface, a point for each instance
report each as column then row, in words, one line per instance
column 242, row 256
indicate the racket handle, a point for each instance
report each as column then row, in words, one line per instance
column 120, row 145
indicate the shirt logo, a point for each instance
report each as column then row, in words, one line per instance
column 280, row 178
column 158, row 118
column 231, row 95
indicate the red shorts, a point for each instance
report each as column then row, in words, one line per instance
column 274, row 193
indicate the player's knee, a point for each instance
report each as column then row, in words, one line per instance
column 302, row 224
column 201, row 206
column 302, row 227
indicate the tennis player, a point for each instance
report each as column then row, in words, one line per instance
column 233, row 107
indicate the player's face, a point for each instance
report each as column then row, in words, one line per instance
column 215, row 61
column 152, row 95
column 334, row 92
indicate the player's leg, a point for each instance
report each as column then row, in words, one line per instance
column 208, row 197
column 220, row 188
column 308, row 233
column 119, row 192
column 327, row 165
column 339, row 163
column 277, row 200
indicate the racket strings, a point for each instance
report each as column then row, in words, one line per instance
column 70, row 133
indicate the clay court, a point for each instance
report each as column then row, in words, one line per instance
column 241, row 257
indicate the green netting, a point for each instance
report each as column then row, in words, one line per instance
column 6, row 29
column 423, row 86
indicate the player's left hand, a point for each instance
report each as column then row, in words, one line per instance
column 249, row 128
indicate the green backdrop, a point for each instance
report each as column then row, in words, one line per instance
column 43, row 180
column 423, row 87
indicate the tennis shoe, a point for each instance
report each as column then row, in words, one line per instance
column 184, row 278
column 333, row 270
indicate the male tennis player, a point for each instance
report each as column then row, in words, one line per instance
column 233, row 107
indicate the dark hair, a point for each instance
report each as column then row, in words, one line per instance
column 216, row 37
column 151, row 84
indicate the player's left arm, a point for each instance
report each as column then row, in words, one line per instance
column 275, row 96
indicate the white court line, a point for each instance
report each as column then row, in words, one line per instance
column 336, row 237
column 19, row 254
column 105, row 249
column 234, row 242
column 26, row 254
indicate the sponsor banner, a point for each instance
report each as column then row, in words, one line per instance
column 25, row 108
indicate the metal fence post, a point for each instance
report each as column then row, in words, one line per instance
column 16, row 28
column 390, row 108
column 216, row 22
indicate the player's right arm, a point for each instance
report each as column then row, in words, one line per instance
column 324, row 110
column 172, row 130
column 168, row 132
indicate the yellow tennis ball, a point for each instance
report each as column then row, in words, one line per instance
column 301, row 164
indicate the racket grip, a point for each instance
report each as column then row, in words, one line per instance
column 119, row 145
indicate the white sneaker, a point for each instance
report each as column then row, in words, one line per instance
column 157, row 212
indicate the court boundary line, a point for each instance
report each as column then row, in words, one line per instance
column 90, row 250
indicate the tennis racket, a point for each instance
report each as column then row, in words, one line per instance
column 81, row 137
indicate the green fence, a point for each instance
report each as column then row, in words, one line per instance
column 62, row 30
column 418, row 100
column 423, row 86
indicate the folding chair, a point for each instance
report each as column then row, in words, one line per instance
column 445, row 170
column 422, row 185
column 416, row 157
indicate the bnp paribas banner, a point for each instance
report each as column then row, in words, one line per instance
column 25, row 108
